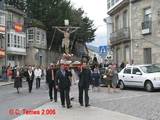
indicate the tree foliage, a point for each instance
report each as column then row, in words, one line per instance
column 19, row 4
column 53, row 13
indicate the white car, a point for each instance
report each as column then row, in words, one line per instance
column 141, row 76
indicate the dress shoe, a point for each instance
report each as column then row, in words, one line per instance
column 81, row 105
column 51, row 100
column 69, row 106
column 55, row 100
column 72, row 98
column 87, row 105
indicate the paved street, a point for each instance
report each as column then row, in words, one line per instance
column 10, row 99
column 137, row 103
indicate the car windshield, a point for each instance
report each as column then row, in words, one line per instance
column 150, row 68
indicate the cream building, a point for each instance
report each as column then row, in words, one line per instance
column 135, row 30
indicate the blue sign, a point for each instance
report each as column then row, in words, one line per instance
column 102, row 49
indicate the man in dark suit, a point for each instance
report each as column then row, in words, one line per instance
column 51, row 77
column 84, row 82
column 30, row 78
column 63, row 82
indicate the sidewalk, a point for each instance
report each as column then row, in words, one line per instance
column 76, row 113
column 3, row 83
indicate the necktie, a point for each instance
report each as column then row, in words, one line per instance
column 52, row 75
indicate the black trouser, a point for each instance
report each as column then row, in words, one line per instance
column 81, row 89
column 51, row 86
column 64, row 95
column 38, row 82
column 30, row 83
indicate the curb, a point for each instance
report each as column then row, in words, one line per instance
column 7, row 84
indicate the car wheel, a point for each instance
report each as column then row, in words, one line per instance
column 149, row 86
column 121, row 85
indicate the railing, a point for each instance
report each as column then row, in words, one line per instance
column 146, row 27
column 121, row 35
column 146, row 24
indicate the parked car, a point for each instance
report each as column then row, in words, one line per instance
column 141, row 76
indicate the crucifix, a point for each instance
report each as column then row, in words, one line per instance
column 67, row 30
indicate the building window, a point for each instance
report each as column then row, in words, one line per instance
column 30, row 34
column 15, row 41
column 11, row 58
column 2, row 19
column 38, row 36
column 21, row 45
column 127, row 54
column 147, row 14
column 18, row 42
column 117, row 23
column 12, row 40
column 108, row 4
column 8, row 36
column 24, row 42
column 125, row 19
column 147, row 53
column 112, row 2
column 43, row 37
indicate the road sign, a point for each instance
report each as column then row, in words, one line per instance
column 102, row 49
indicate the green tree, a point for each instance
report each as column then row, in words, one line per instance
column 19, row 4
column 52, row 13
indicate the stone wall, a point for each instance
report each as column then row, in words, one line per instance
column 145, row 41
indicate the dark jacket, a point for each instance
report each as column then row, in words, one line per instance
column 49, row 75
column 28, row 78
column 63, row 81
column 17, row 80
column 85, row 78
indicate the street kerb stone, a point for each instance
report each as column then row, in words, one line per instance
column 77, row 113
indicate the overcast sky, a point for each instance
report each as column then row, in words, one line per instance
column 96, row 10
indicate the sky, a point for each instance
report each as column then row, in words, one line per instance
column 96, row 10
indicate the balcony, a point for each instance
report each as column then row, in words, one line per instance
column 146, row 27
column 122, row 35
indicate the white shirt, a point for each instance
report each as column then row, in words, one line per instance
column 37, row 73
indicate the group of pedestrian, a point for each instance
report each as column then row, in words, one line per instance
column 61, row 79
column 29, row 73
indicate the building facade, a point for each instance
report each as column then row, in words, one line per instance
column 15, row 36
column 36, row 46
column 120, row 36
column 146, row 31
column 135, row 30
column 2, row 33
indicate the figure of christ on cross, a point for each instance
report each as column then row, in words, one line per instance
column 65, row 40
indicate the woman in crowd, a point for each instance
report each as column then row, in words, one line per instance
column 17, row 79
column 96, row 77
column 109, row 77
column 9, row 73
column 115, row 77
